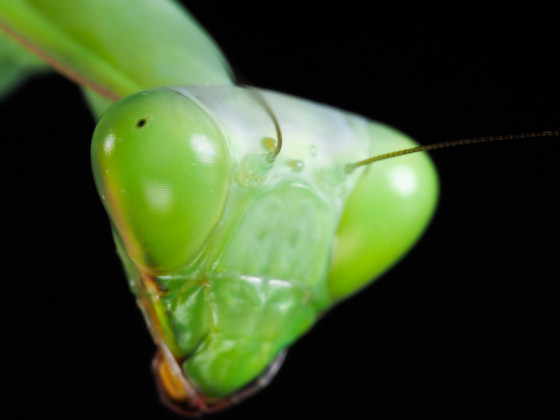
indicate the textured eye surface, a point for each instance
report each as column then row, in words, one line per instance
column 162, row 169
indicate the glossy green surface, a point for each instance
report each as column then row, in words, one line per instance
column 387, row 212
column 162, row 169
column 133, row 45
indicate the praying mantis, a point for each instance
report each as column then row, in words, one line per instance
column 424, row 298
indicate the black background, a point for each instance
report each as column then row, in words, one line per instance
column 465, row 325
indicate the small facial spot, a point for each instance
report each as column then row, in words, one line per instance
column 268, row 144
column 296, row 165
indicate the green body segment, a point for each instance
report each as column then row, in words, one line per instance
column 133, row 45
column 273, row 255
column 16, row 64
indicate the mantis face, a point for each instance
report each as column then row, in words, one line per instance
column 486, row 306
column 233, row 256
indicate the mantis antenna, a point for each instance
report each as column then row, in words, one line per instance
column 271, row 156
column 351, row 166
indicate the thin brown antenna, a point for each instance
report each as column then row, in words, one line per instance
column 57, row 65
column 271, row 157
column 461, row 142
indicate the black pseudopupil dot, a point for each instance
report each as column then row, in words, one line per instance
column 141, row 123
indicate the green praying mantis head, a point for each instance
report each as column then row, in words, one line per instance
column 233, row 256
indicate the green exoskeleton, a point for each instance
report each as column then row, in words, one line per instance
column 232, row 254
column 236, row 256
column 233, row 243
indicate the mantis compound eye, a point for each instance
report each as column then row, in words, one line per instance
column 162, row 168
